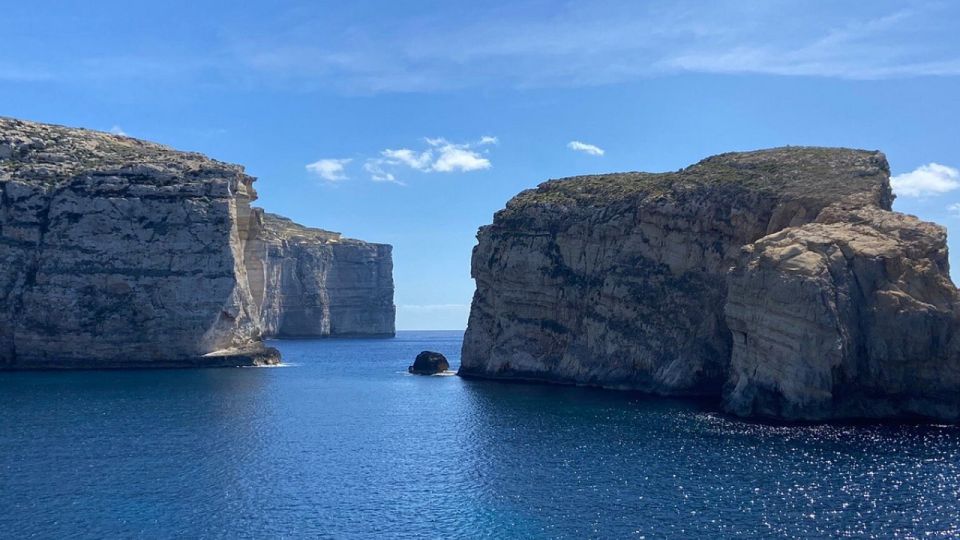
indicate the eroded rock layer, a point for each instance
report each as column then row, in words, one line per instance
column 853, row 316
column 117, row 252
column 314, row 283
column 621, row 281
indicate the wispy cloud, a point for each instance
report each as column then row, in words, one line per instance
column 117, row 130
column 331, row 170
column 378, row 173
column 591, row 149
column 954, row 209
column 519, row 44
column 593, row 44
column 15, row 72
column 926, row 180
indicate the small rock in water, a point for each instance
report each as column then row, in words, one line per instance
column 429, row 363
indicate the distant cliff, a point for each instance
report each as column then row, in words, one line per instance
column 778, row 280
column 115, row 252
column 315, row 283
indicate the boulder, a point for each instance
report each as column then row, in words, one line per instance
column 429, row 363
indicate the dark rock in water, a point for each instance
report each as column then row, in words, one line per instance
column 429, row 363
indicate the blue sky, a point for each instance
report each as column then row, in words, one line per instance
column 412, row 122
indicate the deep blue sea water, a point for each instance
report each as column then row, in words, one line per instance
column 342, row 443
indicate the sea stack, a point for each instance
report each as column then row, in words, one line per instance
column 779, row 281
column 120, row 253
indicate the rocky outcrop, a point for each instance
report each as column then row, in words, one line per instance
column 115, row 252
column 118, row 252
column 429, row 363
column 622, row 281
column 853, row 316
column 314, row 283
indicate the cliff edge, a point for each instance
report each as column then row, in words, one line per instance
column 714, row 280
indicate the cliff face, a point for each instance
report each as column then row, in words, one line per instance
column 852, row 316
column 315, row 283
column 118, row 252
column 622, row 280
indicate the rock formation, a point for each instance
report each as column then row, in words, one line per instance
column 315, row 283
column 778, row 279
column 116, row 252
column 851, row 316
column 429, row 363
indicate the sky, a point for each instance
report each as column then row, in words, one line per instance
column 412, row 122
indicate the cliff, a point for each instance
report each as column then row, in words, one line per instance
column 664, row 283
column 115, row 252
column 314, row 283
column 853, row 316
column 118, row 252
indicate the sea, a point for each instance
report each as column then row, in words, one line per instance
column 340, row 442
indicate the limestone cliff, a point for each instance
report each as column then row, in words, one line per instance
column 853, row 316
column 621, row 281
column 115, row 252
column 118, row 252
column 314, row 283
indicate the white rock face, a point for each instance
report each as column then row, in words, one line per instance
column 315, row 283
column 852, row 316
column 622, row 281
column 118, row 252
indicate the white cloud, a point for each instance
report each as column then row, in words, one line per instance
column 331, row 170
column 954, row 209
column 926, row 180
column 591, row 149
column 419, row 161
column 377, row 172
column 455, row 157
column 117, row 130
column 440, row 155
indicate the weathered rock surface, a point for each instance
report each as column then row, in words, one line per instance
column 429, row 363
column 118, row 252
column 115, row 252
column 621, row 281
column 314, row 283
column 852, row 316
